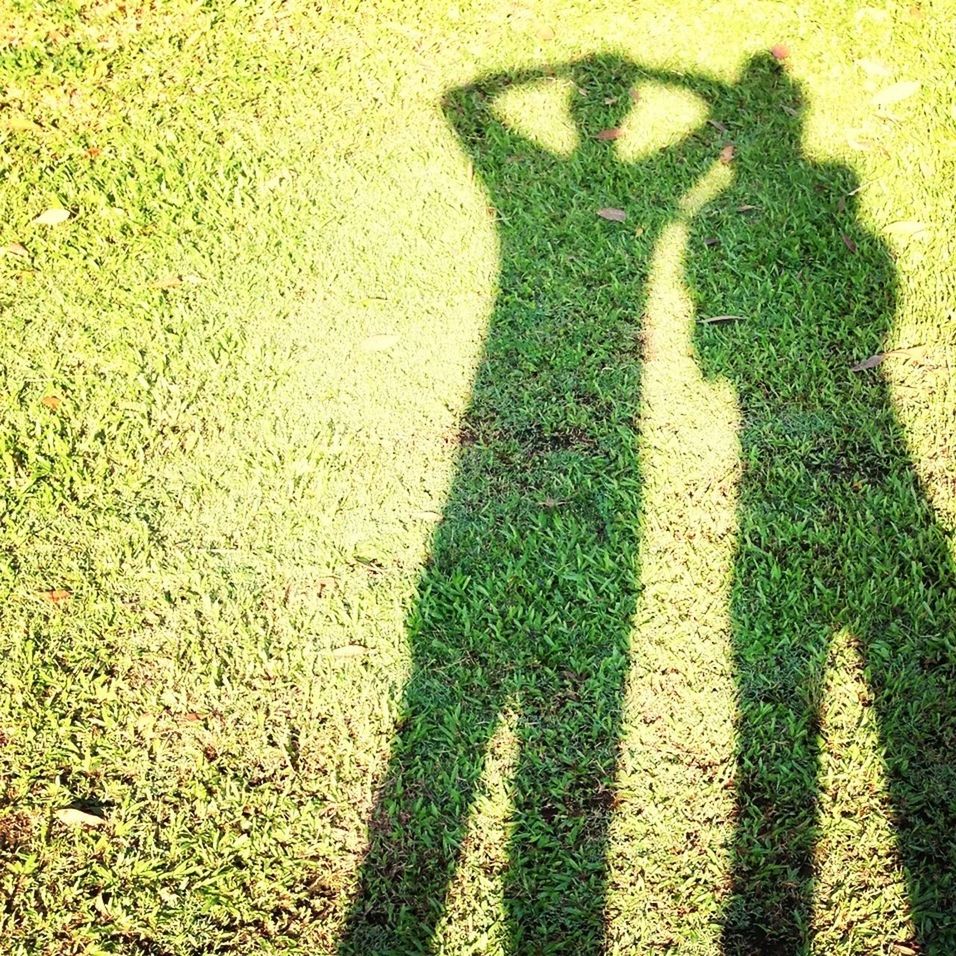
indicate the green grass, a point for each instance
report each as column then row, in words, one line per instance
column 436, row 580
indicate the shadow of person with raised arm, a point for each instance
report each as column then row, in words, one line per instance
column 526, row 602
column 834, row 532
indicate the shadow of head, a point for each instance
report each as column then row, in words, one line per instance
column 765, row 101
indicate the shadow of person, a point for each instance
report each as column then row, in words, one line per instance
column 526, row 602
column 834, row 533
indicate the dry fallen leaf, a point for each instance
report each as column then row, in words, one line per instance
column 717, row 125
column 52, row 217
column 21, row 124
column 907, row 227
column 426, row 515
column 16, row 249
column 780, row 51
column 57, row 595
column 612, row 214
column 896, row 93
column 905, row 949
column 378, row 343
column 874, row 67
column 93, row 151
column 915, row 352
column 870, row 362
column 608, row 134
column 727, row 154
column 634, row 94
column 848, row 242
column 722, row 318
column 79, row 818
column 711, row 241
column 746, row 208
column 51, row 402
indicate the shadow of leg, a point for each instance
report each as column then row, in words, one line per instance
column 419, row 821
column 780, row 662
column 902, row 605
column 563, row 794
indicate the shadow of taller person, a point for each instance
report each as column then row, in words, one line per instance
column 834, row 532
column 526, row 601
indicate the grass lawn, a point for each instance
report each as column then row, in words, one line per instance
column 478, row 477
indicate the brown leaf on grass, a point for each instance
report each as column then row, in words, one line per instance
column 727, row 154
column 746, row 207
column 93, row 151
column 57, row 595
column 870, row 362
column 717, row 125
column 51, row 401
column 379, row 343
column 780, row 51
column 848, row 242
column 73, row 817
column 714, row 319
column 910, row 351
column 895, row 93
column 22, row 124
column 907, row 227
column 634, row 93
column 52, row 217
column 612, row 214
column 905, row 949
column 608, row 134
column 16, row 249
column 874, row 67
column 427, row 515
column 711, row 241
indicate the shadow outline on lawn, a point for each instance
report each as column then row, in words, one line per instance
column 527, row 599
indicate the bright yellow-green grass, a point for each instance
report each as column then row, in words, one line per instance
column 395, row 560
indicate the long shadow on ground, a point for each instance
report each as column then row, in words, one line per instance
column 834, row 532
column 527, row 599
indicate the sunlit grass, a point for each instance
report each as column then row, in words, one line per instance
column 243, row 477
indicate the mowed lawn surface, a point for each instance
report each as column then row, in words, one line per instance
column 352, row 462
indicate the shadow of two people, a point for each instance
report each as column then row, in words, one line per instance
column 528, row 608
